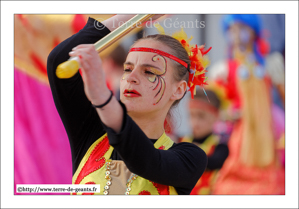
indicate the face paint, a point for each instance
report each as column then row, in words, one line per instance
column 158, row 73
column 151, row 75
column 152, row 78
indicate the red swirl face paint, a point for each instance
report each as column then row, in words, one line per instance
column 157, row 78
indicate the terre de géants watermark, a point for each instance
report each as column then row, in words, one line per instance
column 166, row 23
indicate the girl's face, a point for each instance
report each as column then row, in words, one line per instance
column 148, row 84
column 202, row 122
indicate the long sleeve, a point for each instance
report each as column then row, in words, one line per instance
column 80, row 119
column 216, row 160
column 181, row 166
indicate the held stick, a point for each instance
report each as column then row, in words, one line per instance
column 70, row 67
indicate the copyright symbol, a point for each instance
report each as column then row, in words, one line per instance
column 98, row 25
column 20, row 189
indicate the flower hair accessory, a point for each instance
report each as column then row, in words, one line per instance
column 197, row 55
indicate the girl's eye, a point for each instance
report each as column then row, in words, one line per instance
column 127, row 70
column 149, row 73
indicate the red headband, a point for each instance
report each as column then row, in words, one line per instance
column 144, row 49
column 199, row 104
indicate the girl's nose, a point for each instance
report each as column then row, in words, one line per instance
column 132, row 77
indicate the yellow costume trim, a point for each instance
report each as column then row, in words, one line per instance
column 164, row 140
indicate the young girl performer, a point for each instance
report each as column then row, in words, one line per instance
column 121, row 145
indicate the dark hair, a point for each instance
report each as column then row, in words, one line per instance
column 178, row 51
column 214, row 100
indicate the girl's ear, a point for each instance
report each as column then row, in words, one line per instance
column 179, row 91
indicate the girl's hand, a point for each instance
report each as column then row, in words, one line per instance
column 93, row 76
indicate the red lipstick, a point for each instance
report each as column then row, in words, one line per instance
column 131, row 93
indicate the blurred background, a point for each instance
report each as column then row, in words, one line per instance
column 41, row 148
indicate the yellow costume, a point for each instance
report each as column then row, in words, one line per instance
column 92, row 170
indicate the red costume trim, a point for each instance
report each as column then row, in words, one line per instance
column 95, row 160
column 162, row 147
column 144, row 192
column 89, row 193
column 162, row 189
